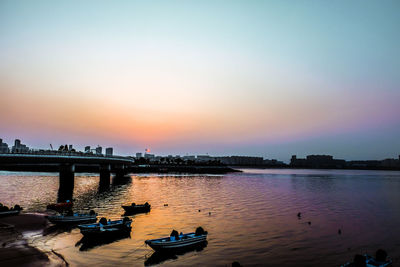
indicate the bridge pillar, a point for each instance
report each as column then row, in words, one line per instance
column 105, row 173
column 66, row 179
column 119, row 171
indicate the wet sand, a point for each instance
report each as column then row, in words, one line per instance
column 15, row 250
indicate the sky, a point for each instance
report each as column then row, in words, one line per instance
column 259, row 78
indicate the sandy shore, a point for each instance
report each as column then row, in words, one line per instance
column 15, row 250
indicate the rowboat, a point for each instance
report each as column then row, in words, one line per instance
column 106, row 228
column 5, row 211
column 60, row 206
column 178, row 242
column 9, row 213
column 133, row 208
column 73, row 218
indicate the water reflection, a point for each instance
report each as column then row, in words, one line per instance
column 253, row 216
column 86, row 243
column 159, row 257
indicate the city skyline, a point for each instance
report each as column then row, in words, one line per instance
column 266, row 79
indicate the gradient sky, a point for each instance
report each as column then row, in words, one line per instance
column 265, row 78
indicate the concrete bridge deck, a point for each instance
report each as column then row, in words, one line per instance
column 67, row 164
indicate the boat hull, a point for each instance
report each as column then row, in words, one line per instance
column 165, row 245
column 9, row 213
column 71, row 219
column 109, row 230
column 136, row 209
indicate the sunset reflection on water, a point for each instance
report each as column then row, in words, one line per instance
column 251, row 217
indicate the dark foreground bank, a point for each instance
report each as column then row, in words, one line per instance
column 15, row 250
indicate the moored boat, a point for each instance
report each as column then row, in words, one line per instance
column 73, row 218
column 5, row 211
column 177, row 242
column 133, row 208
column 106, row 228
column 62, row 206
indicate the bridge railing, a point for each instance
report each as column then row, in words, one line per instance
column 65, row 153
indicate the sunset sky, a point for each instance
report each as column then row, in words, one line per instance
column 262, row 78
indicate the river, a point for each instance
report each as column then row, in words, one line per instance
column 251, row 217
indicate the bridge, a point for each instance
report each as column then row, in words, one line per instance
column 66, row 164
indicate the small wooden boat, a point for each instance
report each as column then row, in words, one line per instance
column 9, row 213
column 5, row 211
column 133, row 208
column 73, row 218
column 60, row 206
column 178, row 242
column 106, row 228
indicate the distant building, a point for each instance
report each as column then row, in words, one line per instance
column 4, row 147
column 149, row 156
column 204, row 158
column 99, row 150
column 18, row 147
column 139, row 155
column 189, row 157
column 87, row 149
column 109, row 151
column 241, row 160
column 317, row 161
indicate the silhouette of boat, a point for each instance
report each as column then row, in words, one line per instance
column 9, row 213
column 133, row 208
column 105, row 229
column 178, row 242
column 73, row 218
column 159, row 257
column 60, row 206
column 5, row 211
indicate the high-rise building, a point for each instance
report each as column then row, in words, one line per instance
column 4, row 147
column 138, row 155
column 18, row 147
column 99, row 150
column 109, row 151
column 87, row 149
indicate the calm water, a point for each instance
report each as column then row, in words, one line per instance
column 253, row 216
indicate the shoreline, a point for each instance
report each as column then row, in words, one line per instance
column 15, row 248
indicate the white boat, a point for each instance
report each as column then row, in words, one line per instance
column 106, row 228
column 73, row 219
column 182, row 241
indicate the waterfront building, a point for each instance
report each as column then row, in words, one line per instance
column 99, row 150
column 138, row 155
column 149, row 156
column 204, row 158
column 317, row 161
column 109, row 151
column 241, row 160
column 189, row 157
column 87, row 149
column 4, row 147
column 18, row 147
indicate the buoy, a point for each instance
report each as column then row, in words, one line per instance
column 165, row 205
column 299, row 214
column 209, row 213
column 199, row 210
column 339, row 232
column 309, row 223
